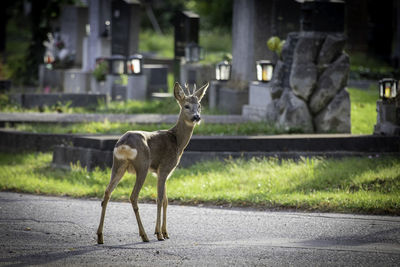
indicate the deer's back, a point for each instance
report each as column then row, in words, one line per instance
column 157, row 148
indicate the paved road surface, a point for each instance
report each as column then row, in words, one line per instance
column 39, row 230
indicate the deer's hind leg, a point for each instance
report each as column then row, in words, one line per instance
column 140, row 178
column 118, row 170
column 164, row 222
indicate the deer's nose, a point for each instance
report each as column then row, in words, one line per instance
column 196, row 117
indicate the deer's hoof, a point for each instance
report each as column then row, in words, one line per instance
column 165, row 234
column 160, row 237
column 100, row 239
column 144, row 238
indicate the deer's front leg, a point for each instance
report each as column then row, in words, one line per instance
column 160, row 199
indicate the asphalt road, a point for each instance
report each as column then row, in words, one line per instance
column 52, row 231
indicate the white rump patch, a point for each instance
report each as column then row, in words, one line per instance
column 123, row 152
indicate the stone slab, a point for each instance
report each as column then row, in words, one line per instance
column 31, row 100
column 15, row 141
column 76, row 81
column 273, row 143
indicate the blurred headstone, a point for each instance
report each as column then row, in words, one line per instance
column 125, row 26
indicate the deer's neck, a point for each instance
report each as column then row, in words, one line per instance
column 183, row 132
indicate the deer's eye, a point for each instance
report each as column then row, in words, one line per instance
column 187, row 107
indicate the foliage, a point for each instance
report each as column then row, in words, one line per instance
column 217, row 44
column 366, row 66
column 275, row 45
column 161, row 45
column 100, row 71
column 365, row 185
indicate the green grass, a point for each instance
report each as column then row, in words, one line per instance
column 106, row 127
column 365, row 185
column 363, row 110
column 363, row 117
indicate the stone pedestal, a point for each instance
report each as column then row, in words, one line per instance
column 232, row 101
column 118, row 92
column 137, row 87
column 97, row 87
column 261, row 106
column 157, row 78
column 76, row 81
column 388, row 119
column 111, row 80
column 54, row 78
column 213, row 93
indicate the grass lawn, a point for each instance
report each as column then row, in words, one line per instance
column 363, row 118
column 362, row 185
column 363, row 110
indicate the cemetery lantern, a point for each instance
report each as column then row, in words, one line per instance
column 134, row 64
column 223, row 71
column 49, row 60
column 265, row 69
column 117, row 65
column 388, row 88
column 193, row 52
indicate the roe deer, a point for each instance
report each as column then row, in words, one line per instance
column 160, row 152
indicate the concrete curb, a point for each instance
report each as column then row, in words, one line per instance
column 93, row 151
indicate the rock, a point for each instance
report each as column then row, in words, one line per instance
column 335, row 118
column 331, row 49
column 331, row 81
column 293, row 113
column 279, row 72
column 276, row 82
column 288, row 47
column 303, row 79
column 307, row 47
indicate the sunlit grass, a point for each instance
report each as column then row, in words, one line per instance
column 366, row 185
column 363, row 110
column 106, row 127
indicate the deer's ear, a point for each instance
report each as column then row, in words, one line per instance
column 178, row 92
column 201, row 91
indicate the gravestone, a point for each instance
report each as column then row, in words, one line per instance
column 73, row 30
column 98, row 42
column 254, row 22
column 125, row 26
column 186, row 30
column 186, row 25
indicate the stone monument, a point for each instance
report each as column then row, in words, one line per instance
column 307, row 92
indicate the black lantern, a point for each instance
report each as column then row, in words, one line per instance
column 265, row 69
column 223, row 71
column 388, row 88
column 193, row 52
column 117, row 65
column 134, row 64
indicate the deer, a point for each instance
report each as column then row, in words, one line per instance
column 139, row 152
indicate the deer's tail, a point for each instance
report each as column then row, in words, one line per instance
column 124, row 152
